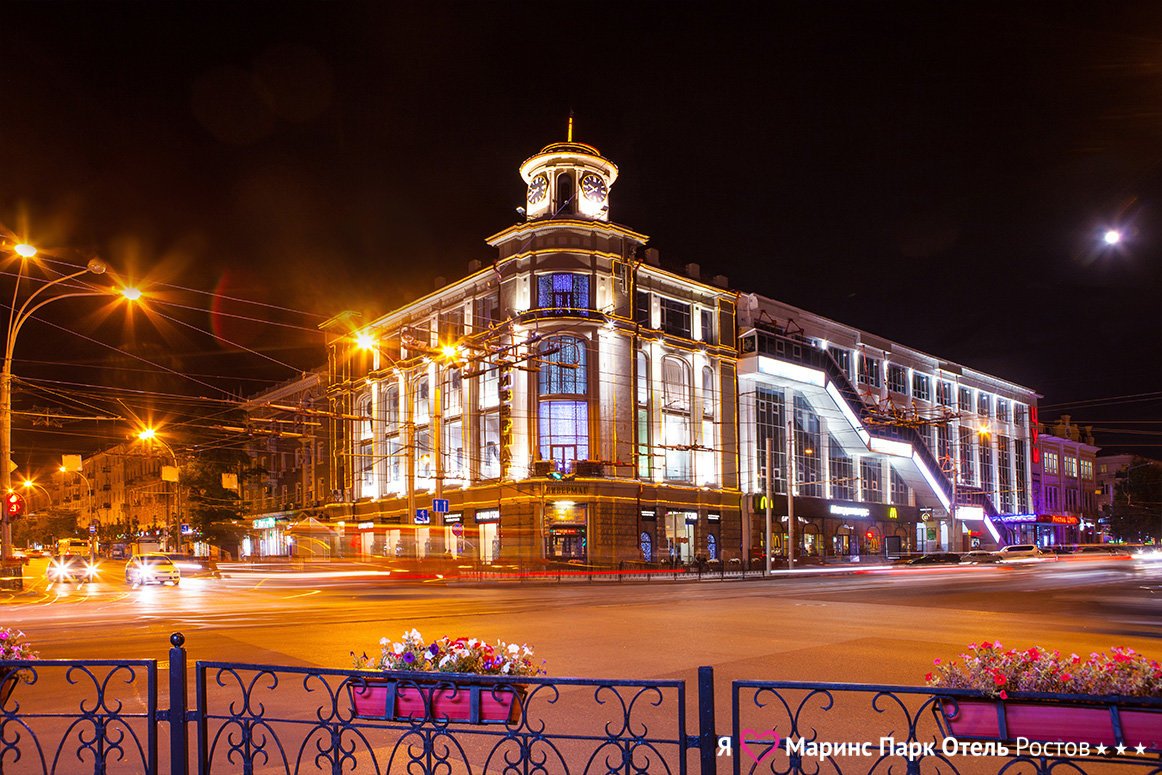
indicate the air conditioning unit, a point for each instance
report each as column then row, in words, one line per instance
column 543, row 467
column 589, row 468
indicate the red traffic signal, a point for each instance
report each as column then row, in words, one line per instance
column 14, row 505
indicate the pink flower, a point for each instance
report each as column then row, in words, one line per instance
column 936, row 661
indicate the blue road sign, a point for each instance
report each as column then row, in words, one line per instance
column 423, row 517
column 440, row 505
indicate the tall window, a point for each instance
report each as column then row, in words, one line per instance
column 453, row 392
column 675, row 317
column 986, row 464
column 842, row 359
column 644, row 432
column 870, row 474
column 967, row 475
column 1022, row 488
column 899, row 491
column 485, row 312
column 563, row 291
column 453, row 452
column 1005, row 475
column 842, row 472
column 943, row 443
column 563, row 406
column 944, row 393
column 807, row 475
column 983, row 404
column 565, row 198
column 490, row 445
column 423, row 400
column 707, row 321
column 869, row 371
column 707, row 469
column 1003, row 410
column 641, row 309
column 965, row 399
column 676, row 403
column 921, row 387
column 897, row 379
column 769, row 424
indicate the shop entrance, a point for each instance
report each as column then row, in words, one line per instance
column 680, row 535
column 567, row 542
column 489, row 543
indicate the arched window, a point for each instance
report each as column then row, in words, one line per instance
column 565, row 203
column 365, row 419
column 563, row 405
column 676, row 426
column 708, row 397
column 562, row 367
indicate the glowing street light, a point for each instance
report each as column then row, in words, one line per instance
column 1112, row 237
column 18, row 314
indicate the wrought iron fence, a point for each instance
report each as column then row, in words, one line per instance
column 275, row 719
column 64, row 717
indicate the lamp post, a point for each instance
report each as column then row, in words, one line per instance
column 173, row 521
column 18, row 314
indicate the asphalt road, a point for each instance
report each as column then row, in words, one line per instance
column 876, row 626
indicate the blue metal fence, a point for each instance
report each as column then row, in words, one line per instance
column 63, row 717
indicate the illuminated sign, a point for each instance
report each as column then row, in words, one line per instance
column 713, row 517
column 649, row 514
column 488, row 515
column 263, row 523
column 849, row 511
column 1060, row 519
column 365, row 525
column 453, row 519
column 970, row 513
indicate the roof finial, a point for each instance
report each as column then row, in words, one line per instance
column 570, row 137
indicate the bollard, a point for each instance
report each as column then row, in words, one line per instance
column 178, row 742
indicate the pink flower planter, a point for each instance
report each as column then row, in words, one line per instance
column 1050, row 721
column 448, row 700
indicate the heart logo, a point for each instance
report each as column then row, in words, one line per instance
column 755, row 736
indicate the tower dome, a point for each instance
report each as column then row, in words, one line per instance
column 568, row 180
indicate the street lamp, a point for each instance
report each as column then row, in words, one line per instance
column 149, row 436
column 18, row 314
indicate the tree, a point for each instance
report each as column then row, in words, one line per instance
column 1137, row 509
column 213, row 511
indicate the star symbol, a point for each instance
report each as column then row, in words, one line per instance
column 1101, row 749
column 1121, row 749
column 1139, row 748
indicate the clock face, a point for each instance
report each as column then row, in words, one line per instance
column 537, row 189
column 593, row 187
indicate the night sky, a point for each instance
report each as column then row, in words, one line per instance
column 936, row 173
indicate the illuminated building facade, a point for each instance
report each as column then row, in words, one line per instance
column 573, row 402
column 883, row 440
column 1065, row 502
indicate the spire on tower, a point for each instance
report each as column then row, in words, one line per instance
column 569, row 138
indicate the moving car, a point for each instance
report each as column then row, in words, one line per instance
column 70, row 568
column 1020, row 552
column 189, row 565
column 939, row 558
column 151, row 568
column 979, row 557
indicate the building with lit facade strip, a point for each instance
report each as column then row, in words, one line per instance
column 572, row 402
column 883, row 440
column 1065, row 488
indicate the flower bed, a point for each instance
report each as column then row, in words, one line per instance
column 1109, row 699
column 440, row 683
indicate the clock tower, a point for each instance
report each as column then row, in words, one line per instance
column 568, row 180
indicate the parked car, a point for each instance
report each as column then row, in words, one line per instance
column 938, row 558
column 979, row 557
column 71, row 568
column 190, row 565
column 151, row 568
column 1020, row 552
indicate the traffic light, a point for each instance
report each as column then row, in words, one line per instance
column 14, row 505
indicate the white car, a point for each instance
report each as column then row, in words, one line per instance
column 1020, row 552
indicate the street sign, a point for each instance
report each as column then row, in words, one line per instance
column 440, row 505
column 93, row 529
column 458, row 530
column 186, row 529
column 423, row 517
